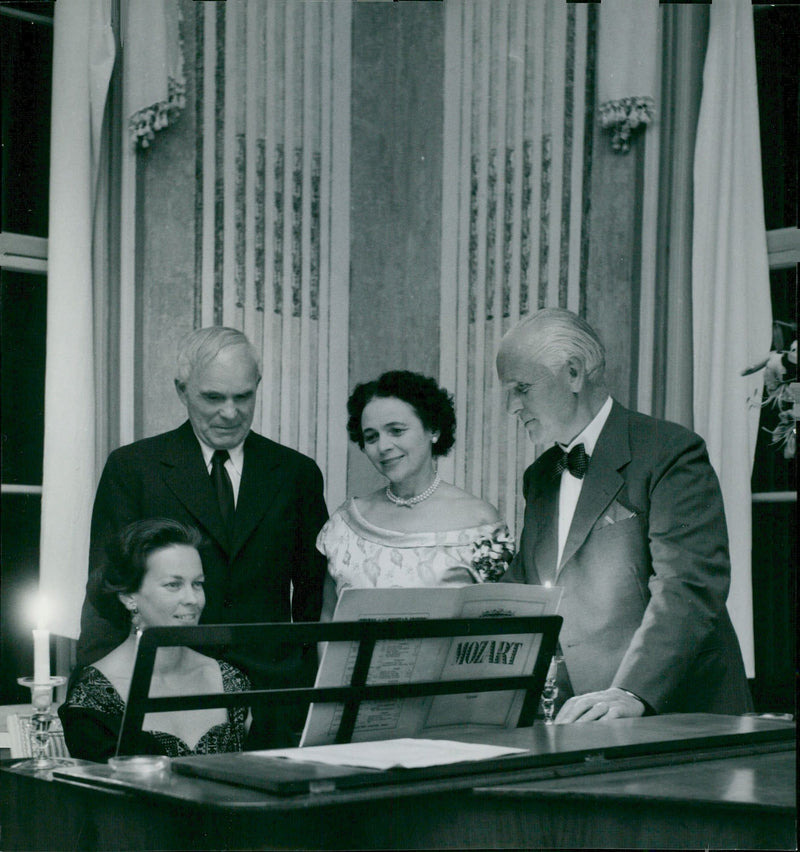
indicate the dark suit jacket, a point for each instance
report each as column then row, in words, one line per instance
column 279, row 511
column 645, row 570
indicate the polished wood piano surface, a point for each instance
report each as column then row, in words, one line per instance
column 682, row 781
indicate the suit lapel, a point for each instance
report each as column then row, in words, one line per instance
column 187, row 477
column 602, row 482
column 189, row 481
column 547, row 540
column 542, row 516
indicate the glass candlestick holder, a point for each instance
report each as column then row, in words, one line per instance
column 41, row 722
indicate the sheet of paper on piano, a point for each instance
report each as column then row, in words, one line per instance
column 405, row 752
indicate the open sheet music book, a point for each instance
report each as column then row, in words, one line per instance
column 429, row 659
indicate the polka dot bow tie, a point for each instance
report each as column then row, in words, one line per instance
column 576, row 461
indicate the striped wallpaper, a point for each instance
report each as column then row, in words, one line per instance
column 272, row 240
column 519, row 99
column 272, row 164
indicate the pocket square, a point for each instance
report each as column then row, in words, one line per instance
column 615, row 513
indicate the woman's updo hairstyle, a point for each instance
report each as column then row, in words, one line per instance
column 125, row 565
column 432, row 404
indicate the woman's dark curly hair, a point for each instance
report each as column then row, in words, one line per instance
column 432, row 404
column 125, row 565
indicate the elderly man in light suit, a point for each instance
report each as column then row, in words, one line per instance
column 624, row 512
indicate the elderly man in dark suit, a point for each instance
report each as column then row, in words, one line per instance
column 625, row 513
column 260, row 506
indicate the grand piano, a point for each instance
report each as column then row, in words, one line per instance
column 681, row 782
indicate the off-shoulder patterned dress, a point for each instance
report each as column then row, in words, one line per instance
column 361, row 555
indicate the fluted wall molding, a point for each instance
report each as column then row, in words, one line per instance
column 519, row 98
column 272, row 206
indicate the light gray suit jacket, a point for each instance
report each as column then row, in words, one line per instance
column 645, row 570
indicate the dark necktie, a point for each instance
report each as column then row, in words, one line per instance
column 223, row 487
column 576, row 461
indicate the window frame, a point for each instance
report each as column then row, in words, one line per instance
column 22, row 253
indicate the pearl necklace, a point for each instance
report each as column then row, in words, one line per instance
column 412, row 501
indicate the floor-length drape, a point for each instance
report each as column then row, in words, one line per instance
column 83, row 59
column 666, row 359
column 730, row 282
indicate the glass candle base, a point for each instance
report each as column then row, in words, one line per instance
column 41, row 721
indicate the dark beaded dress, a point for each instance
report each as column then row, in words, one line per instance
column 92, row 717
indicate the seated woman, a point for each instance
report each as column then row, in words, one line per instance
column 417, row 530
column 153, row 577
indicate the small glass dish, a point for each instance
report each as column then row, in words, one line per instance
column 139, row 764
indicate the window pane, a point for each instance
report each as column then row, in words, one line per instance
column 19, row 577
column 776, row 35
column 771, row 471
column 775, row 605
column 23, row 321
column 26, row 56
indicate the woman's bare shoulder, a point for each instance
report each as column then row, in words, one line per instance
column 367, row 504
column 371, row 499
column 117, row 663
column 471, row 510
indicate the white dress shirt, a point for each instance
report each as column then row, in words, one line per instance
column 570, row 489
column 233, row 465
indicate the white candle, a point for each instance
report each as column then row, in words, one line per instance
column 41, row 656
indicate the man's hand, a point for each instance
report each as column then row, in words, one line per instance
column 611, row 703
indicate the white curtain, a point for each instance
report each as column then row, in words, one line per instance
column 83, row 59
column 666, row 364
column 730, row 282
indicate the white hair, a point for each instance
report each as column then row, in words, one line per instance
column 552, row 336
column 202, row 345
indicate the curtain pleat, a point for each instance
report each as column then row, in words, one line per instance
column 83, row 60
column 732, row 313
column 665, row 341
column 513, row 220
column 273, row 162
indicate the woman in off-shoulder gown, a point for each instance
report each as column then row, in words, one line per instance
column 417, row 530
column 153, row 577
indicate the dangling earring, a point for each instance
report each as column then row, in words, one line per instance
column 136, row 621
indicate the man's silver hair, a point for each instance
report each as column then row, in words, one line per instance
column 552, row 336
column 202, row 345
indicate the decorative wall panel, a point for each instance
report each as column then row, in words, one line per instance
column 272, row 206
column 519, row 101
